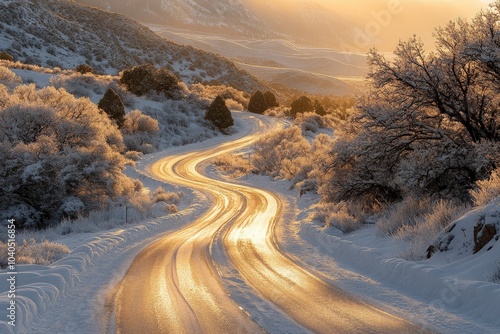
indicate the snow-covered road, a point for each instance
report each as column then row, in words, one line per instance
column 232, row 269
column 174, row 286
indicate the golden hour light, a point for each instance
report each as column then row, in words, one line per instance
column 249, row 166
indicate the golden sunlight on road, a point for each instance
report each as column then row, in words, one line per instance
column 173, row 286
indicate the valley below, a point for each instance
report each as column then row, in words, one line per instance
column 284, row 64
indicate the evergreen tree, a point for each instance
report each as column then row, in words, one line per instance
column 257, row 103
column 219, row 114
column 301, row 105
column 112, row 104
column 270, row 100
column 318, row 108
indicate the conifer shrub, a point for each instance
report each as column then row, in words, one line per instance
column 84, row 69
column 219, row 115
column 112, row 104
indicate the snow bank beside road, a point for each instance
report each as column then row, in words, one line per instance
column 39, row 287
column 477, row 299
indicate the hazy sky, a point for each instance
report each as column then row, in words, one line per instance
column 382, row 23
column 388, row 21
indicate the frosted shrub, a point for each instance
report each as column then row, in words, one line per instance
column 312, row 122
column 141, row 132
column 134, row 155
column 280, row 112
column 409, row 212
column 235, row 99
column 273, row 149
column 82, row 84
column 422, row 234
column 56, row 149
column 235, row 165
column 7, row 76
column 31, row 67
column 160, row 195
column 344, row 216
column 32, row 252
column 487, row 190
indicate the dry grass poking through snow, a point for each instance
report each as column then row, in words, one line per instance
column 234, row 165
column 33, row 252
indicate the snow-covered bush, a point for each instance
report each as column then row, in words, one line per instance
column 235, row 165
column 345, row 216
column 82, row 85
column 312, row 122
column 56, row 149
column 422, row 234
column 408, row 212
column 141, row 132
column 160, row 195
column 181, row 121
column 8, row 77
column 487, row 190
column 275, row 153
column 280, row 112
column 32, row 252
column 235, row 99
column 31, row 67
column 134, row 155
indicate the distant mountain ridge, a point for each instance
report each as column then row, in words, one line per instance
column 65, row 34
column 313, row 24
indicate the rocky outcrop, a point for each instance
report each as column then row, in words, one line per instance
column 483, row 234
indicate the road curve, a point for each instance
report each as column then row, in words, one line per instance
column 172, row 286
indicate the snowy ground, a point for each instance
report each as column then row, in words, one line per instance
column 70, row 296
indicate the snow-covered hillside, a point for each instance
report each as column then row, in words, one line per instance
column 222, row 15
column 60, row 33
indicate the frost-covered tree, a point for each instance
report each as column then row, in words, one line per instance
column 429, row 126
column 112, row 104
column 458, row 81
column 219, row 114
column 282, row 153
column 60, row 156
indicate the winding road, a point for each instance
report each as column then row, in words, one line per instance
column 173, row 285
